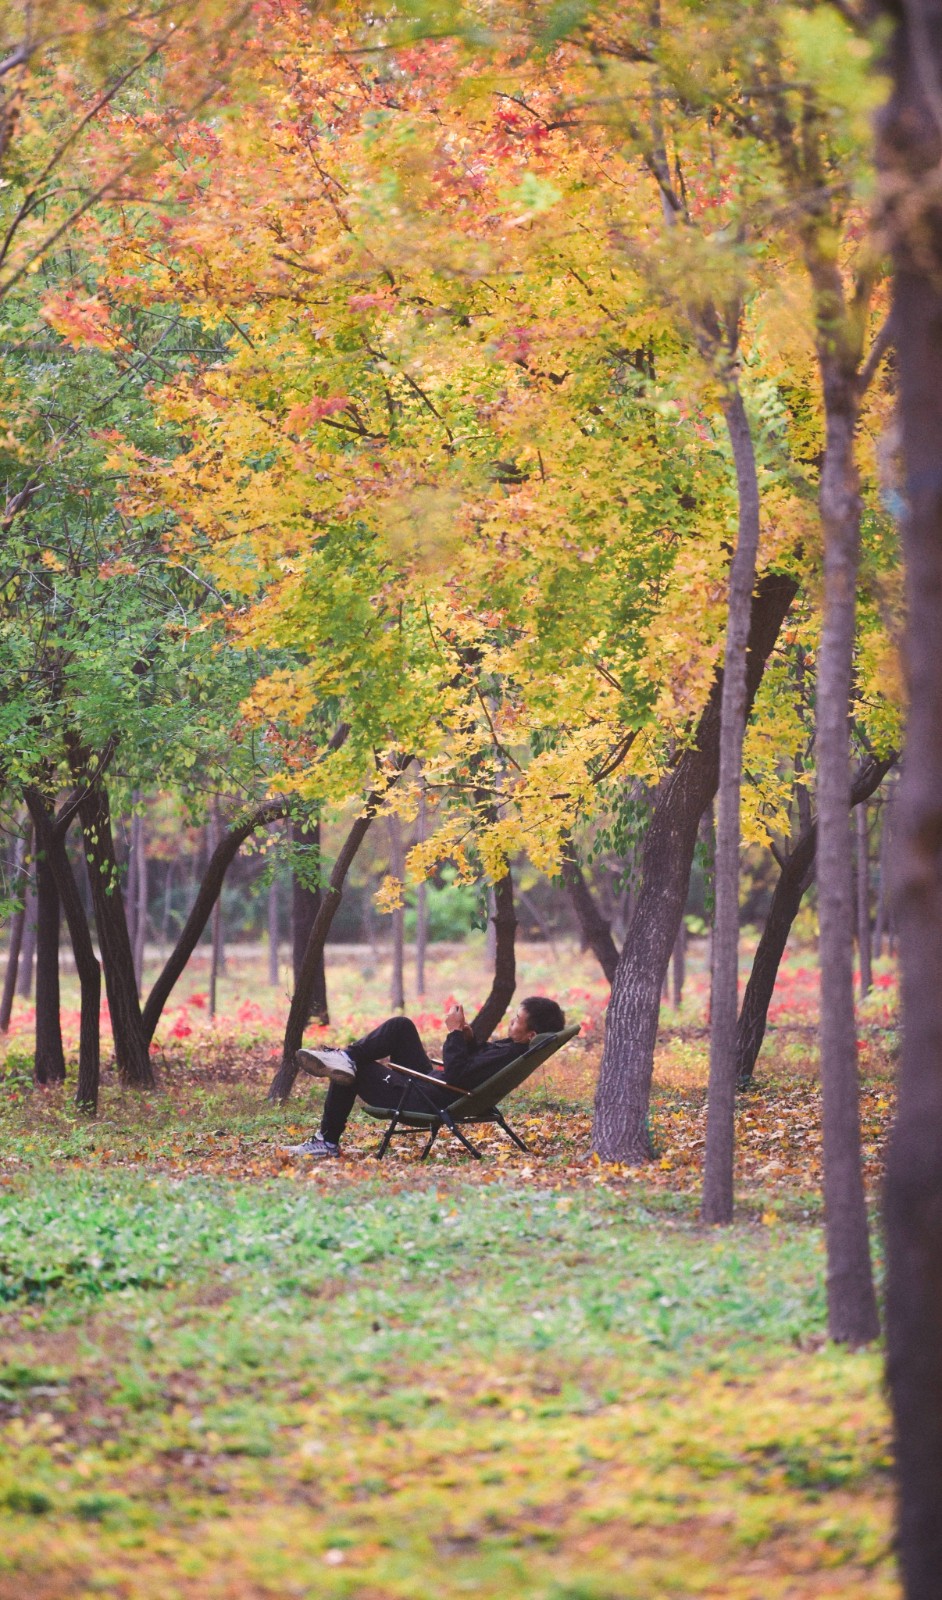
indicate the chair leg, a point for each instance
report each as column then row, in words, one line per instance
column 390, row 1129
column 499, row 1119
column 452, row 1127
column 431, row 1140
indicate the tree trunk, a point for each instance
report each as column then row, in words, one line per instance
column 206, row 896
column 273, row 934
column 883, row 873
column 49, row 1064
column 24, row 987
column 421, row 909
column 50, row 839
column 298, row 1015
column 397, row 867
column 680, row 964
column 138, row 897
column 911, row 149
column 505, row 961
column 797, row 873
column 305, row 905
column 132, row 1055
column 20, row 881
column 852, row 1306
column 717, row 1202
column 217, row 952
column 863, row 902
column 596, row 932
column 620, row 1130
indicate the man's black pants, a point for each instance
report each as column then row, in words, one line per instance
column 398, row 1039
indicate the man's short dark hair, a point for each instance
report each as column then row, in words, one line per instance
column 544, row 1016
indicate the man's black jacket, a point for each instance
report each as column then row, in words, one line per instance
column 467, row 1064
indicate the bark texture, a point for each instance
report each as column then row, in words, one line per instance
column 505, row 960
column 17, row 922
column 305, row 905
column 50, row 838
column 620, row 1130
column 132, row 1055
column 863, row 902
column 397, row 868
column 208, row 891
column 717, row 1201
column 852, row 1305
column 797, row 873
column 596, row 932
column 24, row 985
column 299, row 1013
column 910, row 154
column 49, row 1059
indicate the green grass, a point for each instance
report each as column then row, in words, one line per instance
column 223, row 1389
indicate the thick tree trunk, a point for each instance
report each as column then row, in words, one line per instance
column 305, row 905
column 397, row 867
column 717, row 1202
column 132, row 1055
column 863, row 902
column 49, row 1063
column 20, row 881
column 596, row 932
column 797, row 873
column 299, row 1013
column 206, row 896
column 911, row 150
column 852, row 1306
column 621, row 1107
column 24, row 987
column 50, row 840
column 505, row 960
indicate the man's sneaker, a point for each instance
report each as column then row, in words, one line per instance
column 320, row 1149
column 333, row 1064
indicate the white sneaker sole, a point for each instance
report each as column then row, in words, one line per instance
column 310, row 1061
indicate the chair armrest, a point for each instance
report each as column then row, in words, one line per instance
column 426, row 1077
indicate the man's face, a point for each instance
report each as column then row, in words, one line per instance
column 521, row 1030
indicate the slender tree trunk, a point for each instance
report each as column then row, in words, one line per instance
column 883, row 875
column 680, row 963
column 852, row 1306
column 50, row 839
column 397, row 867
column 490, row 937
column 596, row 932
column 505, row 961
column 20, row 881
column 863, row 902
column 620, row 1130
column 717, row 1202
column 139, row 897
column 217, row 951
column 421, row 907
column 795, row 877
column 911, row 151
column 299, row 1013
column 206, row 896
column 273, row 934
column 49, row 1058
column 24, row 987
column 305, row 905
column 132, row 1055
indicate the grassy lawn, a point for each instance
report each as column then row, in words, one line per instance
column 224, row 1375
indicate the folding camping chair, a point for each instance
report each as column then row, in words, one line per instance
column 469, row 1106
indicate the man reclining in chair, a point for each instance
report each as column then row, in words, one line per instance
column 359, row 1070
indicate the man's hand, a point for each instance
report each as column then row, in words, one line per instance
column 454, row 1019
